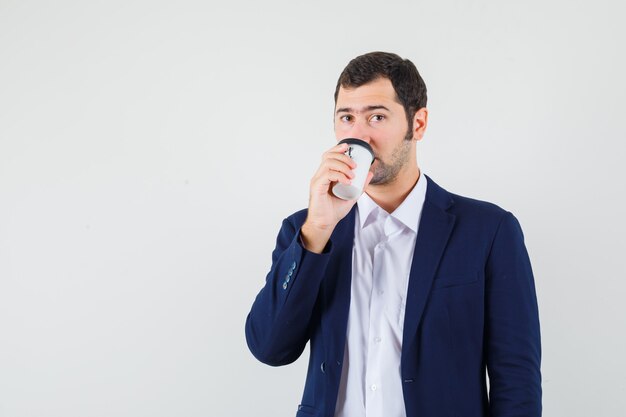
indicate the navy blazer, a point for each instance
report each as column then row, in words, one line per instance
column 471, row 306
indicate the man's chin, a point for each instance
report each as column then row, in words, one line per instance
column 377, row 181
column 383, row 180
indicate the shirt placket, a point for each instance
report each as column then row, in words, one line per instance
column 373, row 378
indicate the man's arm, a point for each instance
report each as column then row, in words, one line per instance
column 513, row 344
column 277, row 327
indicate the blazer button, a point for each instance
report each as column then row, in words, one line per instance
column 284, row 285
column 323, row 367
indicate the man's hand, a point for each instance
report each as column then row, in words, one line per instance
column 325, row 209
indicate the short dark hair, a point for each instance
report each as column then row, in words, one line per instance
column 406, row 80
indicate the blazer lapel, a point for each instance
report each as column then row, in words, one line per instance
column 435, row 227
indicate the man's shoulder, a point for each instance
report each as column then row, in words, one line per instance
column 479, row 217
column 464, row 204
column 469, row 207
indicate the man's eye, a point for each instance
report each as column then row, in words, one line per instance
column 377, row 117
column 346, row 118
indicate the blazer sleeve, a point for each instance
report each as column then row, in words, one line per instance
column 277, row 327
column 513, row 345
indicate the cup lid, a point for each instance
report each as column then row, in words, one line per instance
column 355, row 141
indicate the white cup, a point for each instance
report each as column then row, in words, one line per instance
column 361, row 152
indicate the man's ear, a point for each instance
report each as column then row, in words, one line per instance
column 420, row 121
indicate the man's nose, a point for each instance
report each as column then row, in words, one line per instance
column 360, row 130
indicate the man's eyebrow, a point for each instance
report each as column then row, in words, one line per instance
column 364, row 109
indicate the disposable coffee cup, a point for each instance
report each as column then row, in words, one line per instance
column 361, row 152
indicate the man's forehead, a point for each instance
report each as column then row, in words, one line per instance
column 379, row 92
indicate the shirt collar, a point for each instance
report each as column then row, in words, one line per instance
column 408, row 212
column 366, row 207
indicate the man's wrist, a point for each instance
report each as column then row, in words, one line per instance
column 313, row 239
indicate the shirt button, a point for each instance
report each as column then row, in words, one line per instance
column 381, row 292
column 377, row 339
column 373, row 387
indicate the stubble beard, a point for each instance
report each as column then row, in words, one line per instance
column 386, row 173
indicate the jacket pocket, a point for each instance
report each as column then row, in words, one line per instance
column 454, row 280
column 306, row 411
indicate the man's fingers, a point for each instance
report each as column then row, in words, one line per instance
column 333, row 170
column 323, row 181
column 340, row 157
column 336, row 149
column 338, row 154
column 335, row 165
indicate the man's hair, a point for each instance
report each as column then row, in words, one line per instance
column 406, row 80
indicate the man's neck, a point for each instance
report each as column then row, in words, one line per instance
column 390, row 196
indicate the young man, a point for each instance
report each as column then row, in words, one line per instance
column 408, row 295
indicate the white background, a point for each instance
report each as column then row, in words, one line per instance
column 149, row 151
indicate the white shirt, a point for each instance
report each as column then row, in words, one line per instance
column 371, row 385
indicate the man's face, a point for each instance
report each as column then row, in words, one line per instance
column 372, row 113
